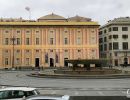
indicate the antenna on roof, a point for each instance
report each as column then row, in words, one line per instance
column 28, row 9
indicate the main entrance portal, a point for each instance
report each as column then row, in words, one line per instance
column 36, row 62
column 51, row 62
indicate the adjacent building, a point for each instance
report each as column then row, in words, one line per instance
column 114, row 41
column 47, row 41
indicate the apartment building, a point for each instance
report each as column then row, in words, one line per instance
column 114, row 41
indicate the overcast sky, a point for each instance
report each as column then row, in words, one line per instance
column 98, row 10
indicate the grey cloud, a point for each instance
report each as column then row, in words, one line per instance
column 98, row 10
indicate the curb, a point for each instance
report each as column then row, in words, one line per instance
column 80, row 77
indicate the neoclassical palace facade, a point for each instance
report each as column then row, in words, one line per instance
column 48, row 41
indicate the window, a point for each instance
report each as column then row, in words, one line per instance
column 109, row 29
column 125, row 45
column 110, row 46
column 6, row 51
column 27, row 41
column 100, row 33
column 46, row 58
column 27, row 31
column 115, row 36
column 66, row 50
column 115, row 46
column 17, row 31
column 101, row 47
column 37, row 51
column 37, row 41
column 105, row 47
column 79, row 50
column 116, row 54
column 105, row 31
column 6, row 61
column 18, row 41
column 100, row 40
column 57, row 58
column 78, row 40
column 110, row 37
column 6, row 31
column 27, row 61
column 18, row 51
column 124, row 28
column 6, row 41
column 51, row 41
column 37, row 31
column 51, row 50
column 27, row 51
column 17, row 61
column 105, row 39
column 125, row 36
column 66, row 41
column 115, row 28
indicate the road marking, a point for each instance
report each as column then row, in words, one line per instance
column 101, row 93
column 76, row 93
column 54, row 92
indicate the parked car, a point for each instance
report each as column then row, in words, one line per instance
column 17, row 93
column 128, row 93
column 43, row 97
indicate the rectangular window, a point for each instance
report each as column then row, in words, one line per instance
column 66, row 41
column 115, row 28
column 37, row 41
column 17, row 61
column 125, row 45
column 100, row 33
column 51, row 41
column 125, row 36
column 78, row 40
column 100, row 40
column 115, row 36
column 124, row 28
column 27, row 41
column 6, row 41
column 27, row 61
column 110, row 36
column 105, row 39
column 46, row 58
column 17, row 31
column 18, row 41
column 105, row 47
column 110, row 46
column 115, row 46
column 109, row 29
column 105, row 31
column 100, row 47
column 6, row 61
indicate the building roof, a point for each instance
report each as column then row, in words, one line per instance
column 49, row 23
column 118, row 21
column 52, row 16
column 79, row 19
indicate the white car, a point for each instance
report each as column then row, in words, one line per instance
column 17, row 93
column 43, row 97
column 128, row 93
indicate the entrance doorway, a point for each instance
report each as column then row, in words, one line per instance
column 36, row 62
column 125, row 61
column 65, row 63
column 51, row 62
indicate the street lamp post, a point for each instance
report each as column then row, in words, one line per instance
column 13, row 43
